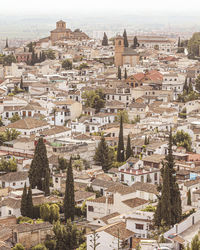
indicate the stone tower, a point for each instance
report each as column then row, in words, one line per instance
column 119, row 49
column 61, row 25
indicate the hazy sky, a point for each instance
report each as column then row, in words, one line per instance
column 8, row 7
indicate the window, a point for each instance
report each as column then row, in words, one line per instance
column 56, row 180
column 9, row 212
column 139, row 226
column 132, row 178
column 90, row 208
column 122, row 177
column 14, row 183
column 155, row 176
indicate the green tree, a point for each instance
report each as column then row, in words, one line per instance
column 30, row 46
column 8, row 165
column 125, row 39
column 168, row 210
column 125, row 74
column 146, row 140
column 120, row 148
column 21, row 83
column 67, row 236
column 29, row 204
column 179, row 42
column 67, row 64
column 94, row 99
column 11, row 134
column 14, row 118
column 50, row 243
column 128, row 148
column 45, row 212
column 62, row 163
column 135, row 42
column 24, row 202
column 105, row 40
column 124, row 115
column 103, row 155
column 39, row 173
column 54, row 213
column 1, row 123
column 39, row 247
column 195, row 244
column 183, row 113
column 83, row 66
column 69, row 202
column 182, row 139
column 193, row 46
column 189, row 202
column 8, row 60
column 197, row 83
column 119, row 73
column 18, row 246
column 6, row 43
column 50, row 54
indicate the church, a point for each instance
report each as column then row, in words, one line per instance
column 124, row 55
column 62, row 33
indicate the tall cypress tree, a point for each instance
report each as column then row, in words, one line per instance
column 23, row 208
column 29, row 204
column 165, row 198
column 105, row 40
column 119, row 73
column 102, row 155
column 69, row 202
column 169, row 203
column 189, row 202
column 21, row 83
column 135, row 42
column 179, row 42
column 6, row 43
column 39, row 172
column 120, row 149
column 125, row 74
column 128, row 148
column 125, row 39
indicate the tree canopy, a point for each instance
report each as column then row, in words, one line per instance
column 183, row 139
column 67, row 64
column 103, row 155
column 39, row 173
column 105, row 40
column 94, row 99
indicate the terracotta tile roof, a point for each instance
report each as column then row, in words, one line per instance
column 54, row 130
column 146, row 187
column 121, row 189
column 83, row 195
column 192, row 182
column 155, row 158
column 108, row 217
column 102, row 183
column 27, row 123
column 14, row 176
column 103, row 200
column 118, row 230
column 135, row 202
column 26, row 227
